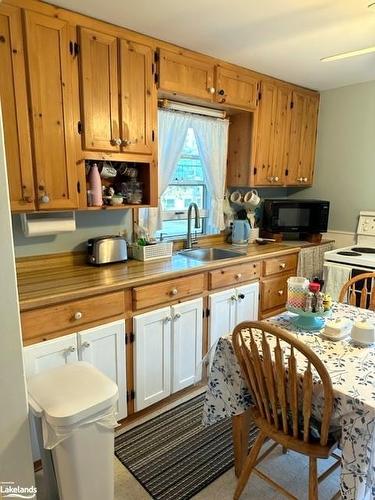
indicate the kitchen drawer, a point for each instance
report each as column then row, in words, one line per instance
column 166, row 291
column 229, row 276
column 274, row 292
column 71, row 316
column 287, row 263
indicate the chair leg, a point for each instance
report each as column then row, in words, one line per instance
column 313, row 479
column 249, row 465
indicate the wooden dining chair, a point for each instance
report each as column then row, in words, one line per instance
column 283, row 413
column 363, row 297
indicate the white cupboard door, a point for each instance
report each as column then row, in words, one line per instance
column 247, row 302
column 186, row 343
column 50, row 354
column 104, row 347
column 222, row 307
column 152, row 347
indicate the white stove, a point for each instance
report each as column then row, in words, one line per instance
column 362, row 255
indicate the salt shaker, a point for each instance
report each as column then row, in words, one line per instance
column 309, row 302
column 319, row 308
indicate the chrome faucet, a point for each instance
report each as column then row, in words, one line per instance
column 197, row 224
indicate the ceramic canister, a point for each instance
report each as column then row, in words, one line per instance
column 297, row 289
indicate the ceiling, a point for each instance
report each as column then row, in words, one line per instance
column 285, row 39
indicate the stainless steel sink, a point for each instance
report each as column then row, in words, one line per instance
column 210, row 254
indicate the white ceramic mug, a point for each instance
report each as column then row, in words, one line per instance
column 236, row 197
column 252, row 198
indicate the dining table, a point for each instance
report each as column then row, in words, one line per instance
column 351, row 367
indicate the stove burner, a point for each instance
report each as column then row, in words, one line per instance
column 364, row 249
column 349, row 253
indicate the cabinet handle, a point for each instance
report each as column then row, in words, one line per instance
column 85, row 344
column 174, row 291
column 211, row 90
column 300, row 179
column 241, row 296
column 71, row 349
column 281, row 292
column 25, row 197
column 177, row 316
column 78, row 315
column 238, row 276
column 276, row 179
column 233, row 298
column 44, row 198
column 167, row 319
column 127, row 142
column 221, row 92
column 305, row 179
column 282, row 265
column 116, row 142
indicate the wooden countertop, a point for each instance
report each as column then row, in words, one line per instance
column 57, row 278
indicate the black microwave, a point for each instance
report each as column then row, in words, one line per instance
column 295, row 216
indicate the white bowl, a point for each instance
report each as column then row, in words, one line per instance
column 363, row 332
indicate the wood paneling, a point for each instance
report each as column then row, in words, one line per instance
column 166, row 291
column 71, row 315
column 279, row 265
column 49, row 66
column 241, row 130
column 99, row 91
column 184, row 73
column 231, row 276
column 13, row 94
column 138, row 98
column 236, row 88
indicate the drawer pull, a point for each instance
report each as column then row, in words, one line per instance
column 238, row 276
column 71, row 349
column 174, row 291
column 281, row 292
column 241, row 296
column 282, row 265
column 233, row 298
column 85, row 344
column 78, row 315
column 167, row 319
column 177, row 316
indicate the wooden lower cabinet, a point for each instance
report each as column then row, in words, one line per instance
column 167, row 351
column 230, row 307
column 102, row 346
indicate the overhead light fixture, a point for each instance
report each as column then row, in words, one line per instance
column 352, row 53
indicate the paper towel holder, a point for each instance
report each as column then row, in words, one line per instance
column 44, row 224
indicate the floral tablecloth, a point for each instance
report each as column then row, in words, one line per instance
column 352, row 370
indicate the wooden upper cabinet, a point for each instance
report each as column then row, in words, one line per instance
column 50, row 72
column 138, row 98
column 264, row 168
column 99, row 91
column 237, row 88
column 304, row 118
column 182, row 73
column 13, row 95
column 280, row 152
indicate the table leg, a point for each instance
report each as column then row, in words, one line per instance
column 240, row 432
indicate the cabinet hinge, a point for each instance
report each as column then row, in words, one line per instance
column 259, row 96
column 130, row 395
column 153, row 135
column 207, row 312
column 79, row 127
column 78, row 187
column 74, row 48
column 129, row 338
column 71, row 48
column 152, row 68
column 286, row 172
column 77, row 48
column 156, row 78
column 156, row 56
column 255, row 170
column 291, row 104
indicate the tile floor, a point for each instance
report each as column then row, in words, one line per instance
column 290, row 470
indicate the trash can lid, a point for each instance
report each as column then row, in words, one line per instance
column 68, row 394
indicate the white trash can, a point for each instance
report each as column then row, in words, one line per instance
column 76, row 403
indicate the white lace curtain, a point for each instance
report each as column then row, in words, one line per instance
column 212, row 141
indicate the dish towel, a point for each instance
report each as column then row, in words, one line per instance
column 335, row 277
column 311, row 259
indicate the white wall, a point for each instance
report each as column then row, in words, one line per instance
column 15, row 452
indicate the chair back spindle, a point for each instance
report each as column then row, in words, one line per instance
column 360, row 291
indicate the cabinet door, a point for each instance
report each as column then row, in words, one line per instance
column 222, row 318
column 186, row 343
column 50, row 354
column 50, row 69
column 14, row 104
column 180, row 73
column 302, row 138
column 265, row 135
column 247, row 303
column 236, row 88
column 104, row 347
column 99, row 91
column 138, row 98
column 280, row 148
column 152, row 357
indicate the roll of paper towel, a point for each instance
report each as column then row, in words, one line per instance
column 47, row 224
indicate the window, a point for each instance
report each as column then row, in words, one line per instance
column 188, row 186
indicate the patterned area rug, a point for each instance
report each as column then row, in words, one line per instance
column 173, row 456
